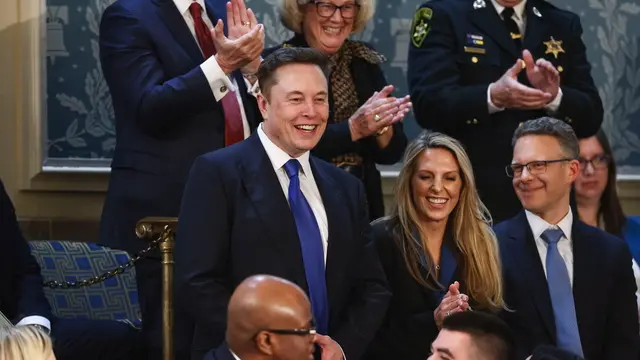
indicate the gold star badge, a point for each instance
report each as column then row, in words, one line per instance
column 554, row 47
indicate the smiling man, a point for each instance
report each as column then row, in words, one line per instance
column 265, row 206
column 570, row 285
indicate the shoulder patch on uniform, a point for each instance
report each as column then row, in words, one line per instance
column 420, row 27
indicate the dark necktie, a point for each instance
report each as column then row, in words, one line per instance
column 561, row 293
column 233, row 128
column 311, row 245
column 514, row 30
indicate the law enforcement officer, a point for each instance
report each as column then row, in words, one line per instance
column 479, row 68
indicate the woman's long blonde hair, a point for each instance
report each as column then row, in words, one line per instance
column 24, row 343
column 469, row 224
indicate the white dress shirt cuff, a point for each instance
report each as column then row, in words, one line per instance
column 35, row 320
column 252, row 89
column 219, row 81
column 491, row 106
column 553, row 106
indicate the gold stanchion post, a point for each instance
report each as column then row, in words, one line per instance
column 164, row 229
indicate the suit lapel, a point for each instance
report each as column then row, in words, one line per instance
column 217, row 10
column 265, row 192
column 336, row 211
column 223, row 353
column 535, row 29
column 585, row 272
column 174, row 21
column 524, row 245
column 488, row 20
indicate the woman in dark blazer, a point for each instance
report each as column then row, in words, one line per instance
column 437, row 249
column 364, row 120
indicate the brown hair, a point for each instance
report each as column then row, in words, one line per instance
column 285, row 56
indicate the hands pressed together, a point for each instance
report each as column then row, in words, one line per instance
column 507, row 92
column 378, row 113
column 242, row 47
column 452, row 302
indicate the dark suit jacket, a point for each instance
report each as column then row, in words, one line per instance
column 409, row 326
column 220, row 353
column 21, row 292
column 603, row 289
column 166, row 114
column 235, row 222
column 448, row 84
column 368, row 78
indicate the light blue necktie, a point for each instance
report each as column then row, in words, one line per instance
column 311, row 245
column 564, row 311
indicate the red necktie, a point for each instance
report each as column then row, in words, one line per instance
column 233, row 129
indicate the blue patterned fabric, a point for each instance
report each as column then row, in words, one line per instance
column 115, row 299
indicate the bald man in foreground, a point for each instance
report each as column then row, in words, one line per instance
column 268, row 318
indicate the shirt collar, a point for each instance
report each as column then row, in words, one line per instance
column 538, row 225
column 518, row 10
column 183, row 5
column 278, row 156
column 234, row 355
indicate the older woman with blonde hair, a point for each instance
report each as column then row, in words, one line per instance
column 364, row 122
column 25, row 343
column 437, row 249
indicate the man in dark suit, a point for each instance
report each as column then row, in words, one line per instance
column 179, row 90
column 566, row 284
column 473, row 74
column 265, row 206
column 269, row 318
column 22, row 302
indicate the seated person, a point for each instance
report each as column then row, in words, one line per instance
column 597, row 197
column 438, row 237
column 268, row 318
column 25, row 343
column 473, row 335
column 23, row 302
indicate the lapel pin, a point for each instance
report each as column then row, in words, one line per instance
column 479, row 4
column 536, row 12
column 553, row 47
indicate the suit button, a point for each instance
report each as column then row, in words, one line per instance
column 475, row 121
column 223, row 88
column 560, row 69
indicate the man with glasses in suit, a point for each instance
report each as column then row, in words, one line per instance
column 569, row 285
column 268, row 318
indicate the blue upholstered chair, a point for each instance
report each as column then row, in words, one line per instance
column 116, row 298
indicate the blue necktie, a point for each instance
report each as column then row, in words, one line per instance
column 311, row 245
column 564, row 311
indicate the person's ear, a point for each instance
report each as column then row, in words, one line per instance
column 574, row 170
column 263, row 105
column 264, row 343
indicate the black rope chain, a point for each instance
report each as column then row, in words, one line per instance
column 54, row 284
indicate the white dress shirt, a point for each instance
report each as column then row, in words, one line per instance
column 219, row 82
column 519, row 16
column 308, row 184
column 538, row 226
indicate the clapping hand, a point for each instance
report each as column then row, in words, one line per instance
column 378, row 112
column 240, row 21
column 542, row 74
column 452, row 302
column 507, row 92
column 242, row 47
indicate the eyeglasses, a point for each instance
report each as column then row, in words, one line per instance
column 326, row 9
column 534, row 167
column 598, row 162
column 300, row 332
